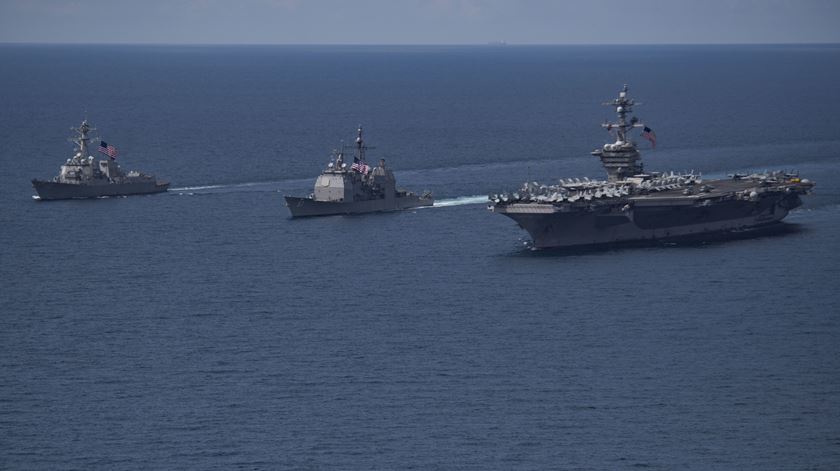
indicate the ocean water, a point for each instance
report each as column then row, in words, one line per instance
column 204, row 329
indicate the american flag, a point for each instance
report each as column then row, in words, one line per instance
column 360, row 166
column 110, row 151
column 648, row 134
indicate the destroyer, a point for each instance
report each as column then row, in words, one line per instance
column 355, row 189
column 631, row 205
column 82, row 177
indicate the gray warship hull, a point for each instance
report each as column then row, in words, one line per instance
column 659, row 217
column 306, row 207
column 81, row 176
column 357, row 189
column 51, row 190
column 632, row 206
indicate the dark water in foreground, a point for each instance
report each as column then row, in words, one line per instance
column 203, row 329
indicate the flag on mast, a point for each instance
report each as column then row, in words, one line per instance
column 648, row 134
column 110, row 151
column 360, row 166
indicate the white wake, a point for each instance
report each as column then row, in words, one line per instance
column 461, row 200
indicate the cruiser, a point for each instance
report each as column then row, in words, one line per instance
column 631, row 205
column 355, row 188
column 82, row 177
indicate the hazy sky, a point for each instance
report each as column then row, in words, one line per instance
column 420, row 21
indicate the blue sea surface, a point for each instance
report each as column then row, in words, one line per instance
column 205, row 329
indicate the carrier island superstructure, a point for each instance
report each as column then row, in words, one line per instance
column 631, row 205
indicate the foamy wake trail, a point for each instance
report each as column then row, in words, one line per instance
column 233, row 187
column 461, row 200
column 192, row 188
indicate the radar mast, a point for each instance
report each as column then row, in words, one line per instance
column 82, row 139
column 621, row 159
column 360, row 145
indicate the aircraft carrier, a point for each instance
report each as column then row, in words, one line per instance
column 356, row 188
column 634, row 206
column 82, row 177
